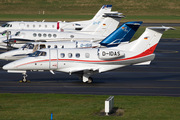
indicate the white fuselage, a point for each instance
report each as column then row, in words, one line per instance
column 29, row 48
column 73, row 60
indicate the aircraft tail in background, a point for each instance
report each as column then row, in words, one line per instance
column 123, row 34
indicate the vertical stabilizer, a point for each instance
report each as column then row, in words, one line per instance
column 104, row 9
column 123, row 34
column 148, row 41
column 103, row 26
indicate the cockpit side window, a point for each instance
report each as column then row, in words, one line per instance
column 25, row 46
column 7, row 25
column 17, row 33
column 31, row 46
column 4, row 25
column 42, row 46
column 38, row 53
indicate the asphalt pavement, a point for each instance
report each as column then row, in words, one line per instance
column 160, row 78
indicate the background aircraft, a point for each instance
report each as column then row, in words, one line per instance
column 95, row 31
column 86, row 62
column 123, row 34
column 78, row 25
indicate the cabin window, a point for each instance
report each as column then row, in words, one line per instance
column 34, row 34
column 33, row 26
column 45, row 26
column 87, row 55
column 49, row 35
column 62, row 55
column 39, row 35
column 70, row 55
column 44, row 35
column 49, row 46
column 11, row 25
column 52, row 26
column 77, row 55
column 27, row 25
column 55, row 46
column 54, row 35
column 39, row 25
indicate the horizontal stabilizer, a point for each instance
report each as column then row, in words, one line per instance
column 161, row 28
column 114, row 15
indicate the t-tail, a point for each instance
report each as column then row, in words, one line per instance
column 123, row 34
column 148, row 41
column 104, row 25
column 104, row 9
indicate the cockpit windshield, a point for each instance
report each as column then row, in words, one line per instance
column 6, row 25
column 4, row 32
column 38, row 53
column 17, row 33
column 28, row 46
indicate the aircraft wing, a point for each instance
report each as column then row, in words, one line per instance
column 78, row 70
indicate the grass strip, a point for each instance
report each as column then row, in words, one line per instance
column 74, row 17
column 66, row 106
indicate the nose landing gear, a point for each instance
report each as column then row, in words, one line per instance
column 24, row 79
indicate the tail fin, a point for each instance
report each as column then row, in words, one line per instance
column 104, row 9
column 148, row 41
column 123, row 34
column 103, row 25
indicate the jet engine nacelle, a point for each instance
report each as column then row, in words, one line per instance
column 110, row 54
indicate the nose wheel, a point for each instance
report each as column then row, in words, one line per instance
column 24, row 79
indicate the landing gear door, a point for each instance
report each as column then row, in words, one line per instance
column 53, row 58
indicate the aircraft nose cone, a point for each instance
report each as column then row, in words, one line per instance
column 8, row 66
column 2, row 57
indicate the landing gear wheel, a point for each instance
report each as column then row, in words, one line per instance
column 90, row 80
column 24, row 80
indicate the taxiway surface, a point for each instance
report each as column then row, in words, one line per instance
column 160, row 78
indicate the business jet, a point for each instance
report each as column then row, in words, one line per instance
column 29, row 25
column 121, row 35
column 95, row 31
column 86, row 62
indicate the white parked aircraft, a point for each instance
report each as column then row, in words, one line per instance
column 95, row 31
column 19, row 25
column 86, row 62
column 123, row 34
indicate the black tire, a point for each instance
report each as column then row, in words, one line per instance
column 90, row 80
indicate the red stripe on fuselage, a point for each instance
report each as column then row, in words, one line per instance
column 143, row 54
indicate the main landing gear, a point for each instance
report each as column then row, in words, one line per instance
column 24, row 79
column 86, row 78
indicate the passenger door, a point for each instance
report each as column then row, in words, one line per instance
column 53, row 58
